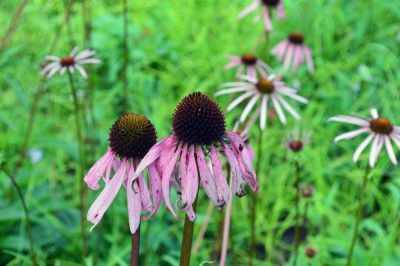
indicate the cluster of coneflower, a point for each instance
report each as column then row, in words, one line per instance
column 200, row 148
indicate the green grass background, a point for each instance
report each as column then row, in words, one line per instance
column 177, row 47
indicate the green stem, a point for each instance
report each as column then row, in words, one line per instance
column 253, row 217
column 126, row 57
column 135, row 248
column 26, row 213
column 297, row 226
column 186, row 249
column 79, row 136
column 359, row 215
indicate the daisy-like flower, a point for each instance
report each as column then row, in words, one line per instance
column 296, row 141
column 262, row 90
column 265, row 6
column 248, row 64
column 192, row 154
column 293, row 52
column 131, row 137
column 380, row 132
column 70, row 63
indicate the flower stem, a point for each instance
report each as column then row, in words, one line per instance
column 359, row 215
column 203, row 227
column 225, row 236
column 186, row 249
column 126, row 56
column 297, row 201
column 253, row 217
column 26, row 213
column 135, row 248
column 79, row 136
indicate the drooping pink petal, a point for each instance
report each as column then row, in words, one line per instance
column 100, row 169
column 352, row 134
column 191, row 181
column 133, row 197
column 308, row 56
column 165, row 155
column 249, row 9
column 153, row 154
column 375, row 149
column 281, row 10
column 156, row 190
column 220, row 178
column 144, row 193
column 233, row 62
column 207, row 179
column 104, row 200
column 236, row 175
column 389, row 149
column 166, row 179
column 267, row 19
column 251, row 71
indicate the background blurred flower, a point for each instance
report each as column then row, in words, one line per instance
column 293, row 52
column 248, row 64
column 199, row 134
column 70, row 63
column 381, row 131
column 262, row 90
column 296, row 140
column 131, row 136
column 266, row 6
column 35, row 155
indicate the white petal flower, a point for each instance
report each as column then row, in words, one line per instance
column 380, row 133
column 259, row 92
column 249, row 65
column 70, row 63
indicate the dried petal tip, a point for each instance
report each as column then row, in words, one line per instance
column 296, row 38
column 381, row 126
column 272, row 3
column 249, row 59
column 265, row 86
column 198, row 120
column 132, row 135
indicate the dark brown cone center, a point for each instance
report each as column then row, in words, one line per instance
column 381, row 126
column 67, row 61
column 296, row 38
column 265, row 86
column 249, row 59
column 296, row 145
column 273, row 3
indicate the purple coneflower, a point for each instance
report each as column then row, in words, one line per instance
column 262, row 90
column 265, row 5
column 293, row 52
column 381, row 131
column 249, row 65
column 199, row 136
column 131, row 137
column 70, row 63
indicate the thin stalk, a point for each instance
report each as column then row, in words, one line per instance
column 79, row 136
column 126, row 56
column 253, row 217
column 305, row 214
column 203, row 227
column 225, row 236
column 186, row 249
column 297, row 202
column 359, row 215
column 35, row 102
column 135, row 248
column 13, row 25
column 27, row 217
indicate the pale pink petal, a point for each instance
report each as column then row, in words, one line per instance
column 104, row 200
column 191, row 180
column 374, row 113
column 144, row 194
column 156, row 190
column 236, row 175
column 81, row 71
column 352, row 134
column 233, row 63
column 207, row 178
column 166, row 178
column 267, row 20
column 249, row 9
column 350, row 120
column 287, row 106
column 389, row 149
column 310, row 63
column 281, row 10
column 362, row 147
column 264, row 111
column 49, row 67
column 232, row 90
column 220, row 178
column 240, row 99
column 278, row 109
column 89, row 61
column 100, row 169
column 133, row 197
column 249, row 107
column 376, row 148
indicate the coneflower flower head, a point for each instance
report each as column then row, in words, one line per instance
column 131, row 137
column 293, row 52
column 266, row 6
column 190, row 157
column 248, row 64
column 381, row 132
column 262, row 90
column 71, row 62
column 296, row 141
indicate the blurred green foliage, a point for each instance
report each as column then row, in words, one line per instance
column 177, row 47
